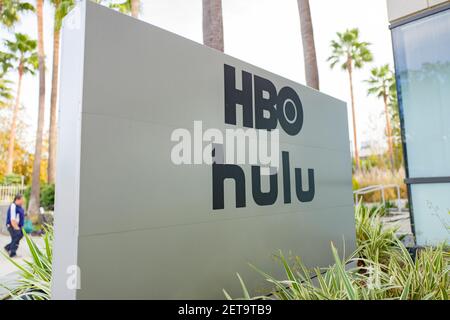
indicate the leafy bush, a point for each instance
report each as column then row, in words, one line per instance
column 374, row 241
column 426, row 277
column 27, row 194
column 372, row 210
column 375, row 176
column 47, row 196
column 355, row 184
column 390, row 205
column 12, row 179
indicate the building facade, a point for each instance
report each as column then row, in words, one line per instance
column 421, row 44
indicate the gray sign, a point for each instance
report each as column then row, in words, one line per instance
column 131, row 222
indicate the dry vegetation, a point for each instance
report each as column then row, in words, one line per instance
column 375, row 176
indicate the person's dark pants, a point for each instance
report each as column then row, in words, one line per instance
column 16, row 235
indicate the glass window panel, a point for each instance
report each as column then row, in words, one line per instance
column 422, row 54
column 431, row 204
column 422, row 58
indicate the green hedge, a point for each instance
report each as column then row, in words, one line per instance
column 12, row 179
column 47, row 196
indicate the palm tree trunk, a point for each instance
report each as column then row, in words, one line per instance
column 309, row 48
column 33, row 207
column 389, row 133
column 12, row 134
column 51, row 169
column 213, row 24
column 355, row 140
column 135, row 8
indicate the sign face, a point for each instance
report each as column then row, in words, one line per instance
column 179, row 165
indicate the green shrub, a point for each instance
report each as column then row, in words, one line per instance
column 426, row 277
column 12, row 179
column 373, row 210
column 374, row 241
column 355, row 183
column 27, row 194
column 377, row 176
column 390, row 205
column 47, row 196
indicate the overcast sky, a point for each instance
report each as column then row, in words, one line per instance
column 265, row 33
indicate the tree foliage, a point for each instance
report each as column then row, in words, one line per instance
column 10, row 11
column 349, row 51
column 22, row 51
column 381, row 82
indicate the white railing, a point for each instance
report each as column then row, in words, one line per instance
column 7, row 193
column 360, row 192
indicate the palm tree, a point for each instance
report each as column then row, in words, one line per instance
column 5, row 92
column 10, row 10
column 128, row 7
column 213, row 24
column 352, row 54
column 23, row 52
column 33, row 206
column 380, row 83
column 135, row 5
column 309, row 48
column 6, row 62
column 395, row 114
column 5, row 84
column 62, row 8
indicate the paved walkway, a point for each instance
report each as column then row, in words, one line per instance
column 400, row 220
column 7, row 269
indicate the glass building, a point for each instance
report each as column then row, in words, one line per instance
column 421, row 43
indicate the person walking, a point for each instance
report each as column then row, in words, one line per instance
column 14, row 222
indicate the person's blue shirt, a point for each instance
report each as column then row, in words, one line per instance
column 16, row 213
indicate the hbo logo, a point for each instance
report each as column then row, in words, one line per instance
column 271, row 107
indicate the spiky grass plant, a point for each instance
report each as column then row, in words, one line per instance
column 384, row 270
column 331, row 283
column 374, row 240
column 425, row 277
column 34, row 275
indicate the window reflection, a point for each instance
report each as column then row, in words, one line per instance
column 422, row 59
